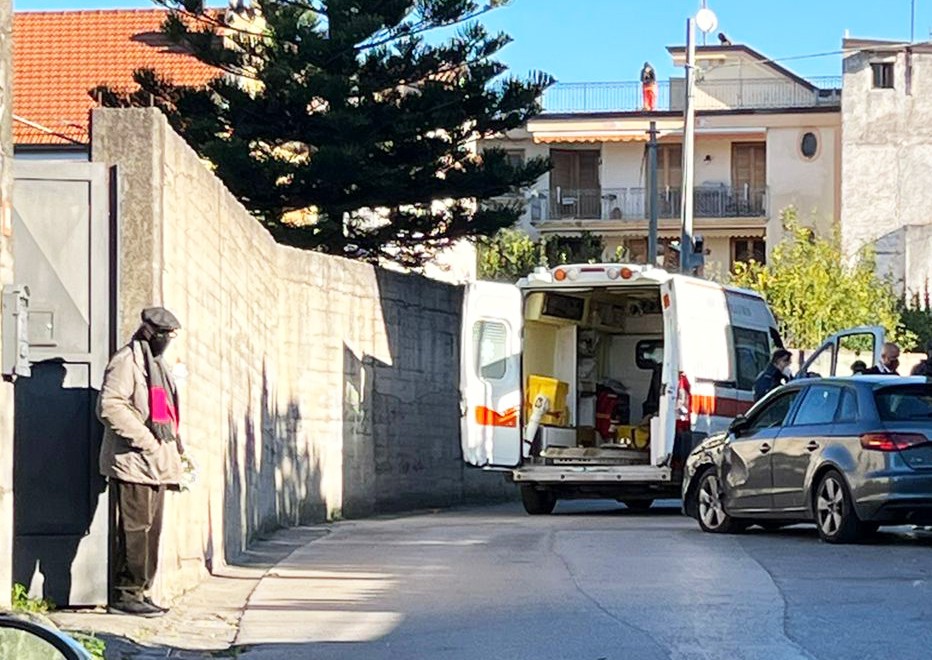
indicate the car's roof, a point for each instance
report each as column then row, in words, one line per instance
column 872, row 380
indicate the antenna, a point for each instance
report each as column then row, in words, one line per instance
column 912, row 22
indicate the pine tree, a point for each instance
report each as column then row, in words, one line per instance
column 354, row 116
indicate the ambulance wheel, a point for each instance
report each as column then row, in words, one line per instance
column 537, row 502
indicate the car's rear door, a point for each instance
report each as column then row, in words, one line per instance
column 800, row 443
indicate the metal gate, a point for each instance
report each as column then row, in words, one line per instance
column 61, row 248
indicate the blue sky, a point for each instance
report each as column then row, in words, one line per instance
column 608, row 40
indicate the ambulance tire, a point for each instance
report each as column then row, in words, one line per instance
column 537, row 502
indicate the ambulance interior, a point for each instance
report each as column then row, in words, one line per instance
column 595, row 356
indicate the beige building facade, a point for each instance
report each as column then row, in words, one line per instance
column 887, row 156
column 765, row 140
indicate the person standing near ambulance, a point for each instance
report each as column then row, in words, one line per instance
column 140, row 455
column 776, row 373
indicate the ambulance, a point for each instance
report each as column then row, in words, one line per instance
column 597, row 380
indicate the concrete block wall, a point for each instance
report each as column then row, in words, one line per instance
column 317, row 387
column 6, row 277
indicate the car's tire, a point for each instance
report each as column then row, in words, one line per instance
column 537, row 502
column 638, row 505
column 710, row 510
column 835, row 517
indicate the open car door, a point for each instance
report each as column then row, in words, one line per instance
column 841, row 351
column 490, row 373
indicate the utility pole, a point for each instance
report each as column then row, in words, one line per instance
column 689, row 134
column 652, row 194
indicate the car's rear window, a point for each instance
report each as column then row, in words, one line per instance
column 904, row 402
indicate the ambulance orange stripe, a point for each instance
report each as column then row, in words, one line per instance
column 488, row 417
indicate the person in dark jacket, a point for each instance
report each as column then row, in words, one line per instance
column 889, row 361
column 776, row 373
column 649, row 87
column 924, row 368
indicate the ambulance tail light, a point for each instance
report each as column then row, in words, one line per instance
column 683, row 404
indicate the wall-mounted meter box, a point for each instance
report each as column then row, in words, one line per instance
column 15, row 329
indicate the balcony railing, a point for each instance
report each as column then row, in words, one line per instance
column 632, row 203
column 750, row 94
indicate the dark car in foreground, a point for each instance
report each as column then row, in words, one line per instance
column 849, row 454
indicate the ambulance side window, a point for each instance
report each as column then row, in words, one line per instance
column 752, row 353
column 490, row 344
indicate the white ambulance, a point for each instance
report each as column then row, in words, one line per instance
column 597, row 380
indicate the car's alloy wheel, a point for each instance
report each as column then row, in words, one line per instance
column 836, row 518
column 710, row 507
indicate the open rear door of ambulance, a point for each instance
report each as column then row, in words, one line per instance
column 695, row 361
column 490, row 373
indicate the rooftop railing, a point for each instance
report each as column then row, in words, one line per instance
column 748, row 94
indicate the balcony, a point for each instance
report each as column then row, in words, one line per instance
column 632, row 203
column 749, row 94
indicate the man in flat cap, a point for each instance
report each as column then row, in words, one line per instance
column 140, row 455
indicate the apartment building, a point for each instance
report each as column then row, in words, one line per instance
column 765, row 139
column 887, row 152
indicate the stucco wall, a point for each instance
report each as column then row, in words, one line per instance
column 809, row 185
column 317, row 387
column 6, row 276
column 886, row 155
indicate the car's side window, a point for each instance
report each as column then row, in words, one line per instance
column 848, row 408
column 773, row 414
column 818, row 406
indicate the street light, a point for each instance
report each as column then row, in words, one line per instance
column 707, row 21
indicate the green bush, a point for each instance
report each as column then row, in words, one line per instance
column 510, row 254
column 814, row 292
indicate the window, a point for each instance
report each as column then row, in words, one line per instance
column 490, row 343
column 848, row 410
column 904, row 403
column 752, row 354
column 819, row 406
column 821, row 366
column 515, row 157
column 773, row 414
column 883, row 75
column 809, row 145
column 648, row 353
column 744, row 250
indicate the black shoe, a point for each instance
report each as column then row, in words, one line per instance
column 136, row 608
column 148, row 601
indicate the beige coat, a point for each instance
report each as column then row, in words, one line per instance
column 130, row 452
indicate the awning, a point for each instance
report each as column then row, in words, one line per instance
column 577, row 137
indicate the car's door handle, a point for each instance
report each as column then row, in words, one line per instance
column 765, row 447
column 812, row 446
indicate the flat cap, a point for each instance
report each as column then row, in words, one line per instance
column 160, row 319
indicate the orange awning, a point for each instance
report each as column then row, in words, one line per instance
column 587, row 138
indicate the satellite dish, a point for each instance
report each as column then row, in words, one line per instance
column 706, row 20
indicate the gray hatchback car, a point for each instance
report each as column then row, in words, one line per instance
column 850, row 454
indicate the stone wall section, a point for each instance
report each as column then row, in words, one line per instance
column 316, row 387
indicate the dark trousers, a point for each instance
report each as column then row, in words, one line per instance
column 139, row 525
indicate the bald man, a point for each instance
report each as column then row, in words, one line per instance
column 889, row 361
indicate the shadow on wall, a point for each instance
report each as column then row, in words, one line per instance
column 271, row 479
column 56, row 481
column 401, row 421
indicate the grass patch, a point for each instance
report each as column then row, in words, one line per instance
column 23, row 603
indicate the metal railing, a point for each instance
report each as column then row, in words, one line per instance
column 748, row 94
column 632, row 203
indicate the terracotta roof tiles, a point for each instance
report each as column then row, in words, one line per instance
column 59, row 56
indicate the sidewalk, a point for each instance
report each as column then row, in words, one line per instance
column 204, row 622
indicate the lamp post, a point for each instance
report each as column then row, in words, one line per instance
column 707, row 22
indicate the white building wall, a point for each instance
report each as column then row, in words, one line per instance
column 887, row 157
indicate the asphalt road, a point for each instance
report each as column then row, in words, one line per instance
column 591, row 581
